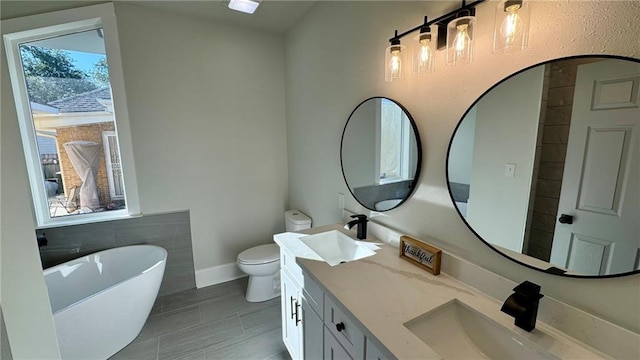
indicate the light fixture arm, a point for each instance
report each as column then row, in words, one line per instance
column 441, row 21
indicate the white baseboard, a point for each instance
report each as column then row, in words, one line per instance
column 218, row 274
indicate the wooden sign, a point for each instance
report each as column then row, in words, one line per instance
column 420, row 254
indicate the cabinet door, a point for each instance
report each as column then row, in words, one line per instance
column 313, row 332
column 291, row 316
column 332, row 348
column 372, row 352
column 343, row 328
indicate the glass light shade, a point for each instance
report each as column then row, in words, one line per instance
column 423, row 54
column 511, row 28
column 395, row 63
column 460, row 40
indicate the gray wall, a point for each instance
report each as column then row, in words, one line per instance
column 321, row 93
column 5, row 348
column 170, row 231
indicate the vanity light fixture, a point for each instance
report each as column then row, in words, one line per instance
column 461, row 20
column 245, row 6
column 423, row 51
column 511, row 28
column 460, row 38
column 394, row 60
column 455, row 34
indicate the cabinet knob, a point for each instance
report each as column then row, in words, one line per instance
column 340, row 326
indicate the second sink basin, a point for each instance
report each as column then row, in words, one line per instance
column 335, row 247
column 456, row 331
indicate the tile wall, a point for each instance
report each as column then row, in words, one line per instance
column 370, row 195
column 172, row 231
column 5, row 349
column 553, row 136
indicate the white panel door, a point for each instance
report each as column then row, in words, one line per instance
column 600, row 187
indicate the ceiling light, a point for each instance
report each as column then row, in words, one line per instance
column 245, row 6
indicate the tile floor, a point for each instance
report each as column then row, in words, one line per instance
column 215, row 322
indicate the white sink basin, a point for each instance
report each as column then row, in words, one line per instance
column 335, row 247
column 456, row 331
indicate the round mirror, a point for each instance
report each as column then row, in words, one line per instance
column 380, row 154
column 544, row 167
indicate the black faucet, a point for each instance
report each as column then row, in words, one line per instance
column 523, row 305
column 361, row 221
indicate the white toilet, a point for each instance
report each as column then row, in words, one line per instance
column 262, row 262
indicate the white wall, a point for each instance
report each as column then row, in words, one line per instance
column 335, row 60
column 506, row 129
column 206, row 103
column 460, row 161
column 25, row 302
column 359, row 138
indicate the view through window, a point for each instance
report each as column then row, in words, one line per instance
column 67, row 84
column 393, row 143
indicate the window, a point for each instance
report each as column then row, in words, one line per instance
column 68, row 90
column 394, row 145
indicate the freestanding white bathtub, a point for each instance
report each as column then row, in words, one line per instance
column 101, row 301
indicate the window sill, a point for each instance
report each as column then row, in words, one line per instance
column 88, row 219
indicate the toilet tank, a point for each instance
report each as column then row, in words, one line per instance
column 296, row 220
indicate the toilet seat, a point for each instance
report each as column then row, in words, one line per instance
column 261, row 254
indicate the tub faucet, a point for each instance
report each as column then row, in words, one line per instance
column 523, row 305
column 361, row 221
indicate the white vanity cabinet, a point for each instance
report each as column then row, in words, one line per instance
column 291, row 304
column 314, row 325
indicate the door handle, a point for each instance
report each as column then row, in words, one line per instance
column 292, row 307
column 566, row 219
column 297, row 310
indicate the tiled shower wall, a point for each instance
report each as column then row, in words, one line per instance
column 370, row 195
column 171, row 231
column 5, row 349
column 550, row 156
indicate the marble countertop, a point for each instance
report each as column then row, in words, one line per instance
column 384, row 291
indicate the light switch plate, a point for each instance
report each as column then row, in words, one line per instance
column 509, row 170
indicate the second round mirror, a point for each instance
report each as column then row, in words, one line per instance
column 380, row 154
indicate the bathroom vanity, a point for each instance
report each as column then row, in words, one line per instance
column 383, row 307
column 314, row 324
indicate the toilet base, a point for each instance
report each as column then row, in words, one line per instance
column 263, row 288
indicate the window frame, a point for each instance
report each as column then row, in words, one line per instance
column 31, row 28
column 404, row 156
column 107, row 159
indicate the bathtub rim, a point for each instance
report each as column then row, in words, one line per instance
column 134, row 276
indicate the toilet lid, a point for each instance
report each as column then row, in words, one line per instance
column 260, row 254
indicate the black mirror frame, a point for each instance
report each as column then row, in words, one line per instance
column 551, row 270
column 418, row 145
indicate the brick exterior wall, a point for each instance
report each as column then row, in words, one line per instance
column 93, row 133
